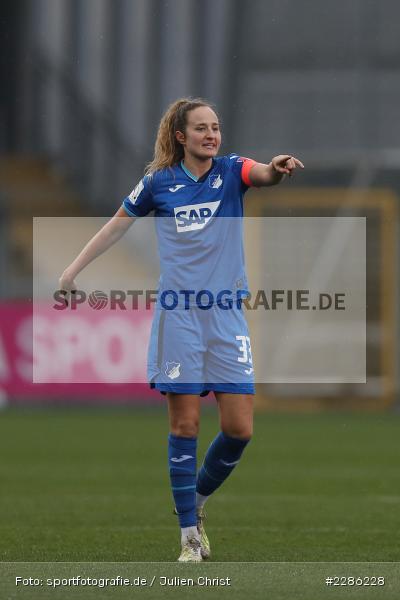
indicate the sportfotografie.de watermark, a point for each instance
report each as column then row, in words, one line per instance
column 275, row 299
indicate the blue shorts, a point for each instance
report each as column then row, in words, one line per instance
column 196, row 351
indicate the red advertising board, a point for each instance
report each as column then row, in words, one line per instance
column 93, row 355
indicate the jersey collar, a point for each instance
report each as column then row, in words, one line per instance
column 193, row 177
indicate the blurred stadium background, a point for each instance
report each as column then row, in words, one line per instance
column 83, row 85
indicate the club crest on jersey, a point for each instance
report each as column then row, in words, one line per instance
column 194, row 216
column 215, row 181
column 172, row 369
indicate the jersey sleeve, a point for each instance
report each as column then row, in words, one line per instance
column 140, row 201
column 241, row 166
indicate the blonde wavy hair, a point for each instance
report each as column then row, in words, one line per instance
column 167, row 150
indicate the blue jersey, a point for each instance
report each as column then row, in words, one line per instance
column 199, row 229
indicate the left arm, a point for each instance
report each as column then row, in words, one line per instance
column 263, row 175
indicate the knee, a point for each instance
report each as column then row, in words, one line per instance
column 185, row 428
column 242, row 432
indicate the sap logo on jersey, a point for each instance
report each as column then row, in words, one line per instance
column 194, row 216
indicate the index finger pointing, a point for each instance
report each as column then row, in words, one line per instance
column 298, row 162
column 284, row 157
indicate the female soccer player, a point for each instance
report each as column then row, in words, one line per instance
column 199, row 341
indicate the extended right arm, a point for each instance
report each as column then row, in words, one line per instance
column 112, row 231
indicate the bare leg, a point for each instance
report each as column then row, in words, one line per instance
column 236, row 414
column 184, row 414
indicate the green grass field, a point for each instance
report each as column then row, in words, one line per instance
column 92, row 486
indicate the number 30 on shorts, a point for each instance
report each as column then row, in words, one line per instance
column 244, row 349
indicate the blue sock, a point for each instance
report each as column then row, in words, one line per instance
column 221, row 458
column 182, row 471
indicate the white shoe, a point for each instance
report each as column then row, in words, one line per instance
column 191, row 550
column 205, row 543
